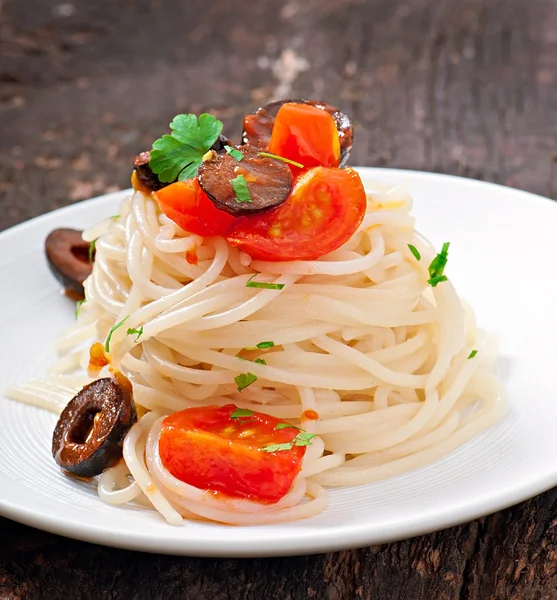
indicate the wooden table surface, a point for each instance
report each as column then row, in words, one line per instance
column 455, row 86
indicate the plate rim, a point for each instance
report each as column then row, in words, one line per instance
column 310, row 540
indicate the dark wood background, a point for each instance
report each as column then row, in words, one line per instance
column 455, row 86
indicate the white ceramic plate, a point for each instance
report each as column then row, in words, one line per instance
column 503, row 260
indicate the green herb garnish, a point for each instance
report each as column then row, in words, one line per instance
column 109, row 337
column 286, row 160
column 78, row 307
column 278, row 447
column 92, row 249
column 241, row 190
column 236, row 154
column 241, row 412
column 179, row 155
column 286, row 426
column 244, row 380
column 259, row 361
column 437, row 266
column 302, row 439
column 114, row 217
column 138, row 332
column 263, row 286
column 472, row 354
column 261, row 346
column 415, row 252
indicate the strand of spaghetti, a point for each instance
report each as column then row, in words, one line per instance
column 134, row 450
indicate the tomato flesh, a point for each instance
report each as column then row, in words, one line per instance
column 307, row 135
column 208, row 449
column 324, row 209
column 189, row 207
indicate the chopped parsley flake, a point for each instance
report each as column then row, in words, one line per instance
column 241, row 412
column 241, row 190
column 302, row 439
column 179, row 155
column 92, row 250
column 472, row 354
column 286, row 426
column 261, row 346
column 244, row 380
column 109, row 337
column 138, row 332
column 415, row 252
column 263, row 285
column 278, row 447
column 236, row 154
column 437, row 267
column 78, row 307
column 286, row 160
column 260, row 361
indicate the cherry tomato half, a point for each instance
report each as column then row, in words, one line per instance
column 325, row 207
column 306, row 134
column 209, row 449
column 189, row 207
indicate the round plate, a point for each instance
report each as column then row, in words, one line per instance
column 503, row 256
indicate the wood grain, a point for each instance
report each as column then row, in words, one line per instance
column 466, row 87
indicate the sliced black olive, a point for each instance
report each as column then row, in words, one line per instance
column 221, row 142
column 90, row 432
column 146, row 178
column 68, row 258
column 259, row 125
column 269, row 181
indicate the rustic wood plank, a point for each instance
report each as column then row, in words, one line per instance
column 468, row 88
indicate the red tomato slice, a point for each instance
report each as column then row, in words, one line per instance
column 307, row 135
column 189, row 207
column 208, row 449
column 325, row 207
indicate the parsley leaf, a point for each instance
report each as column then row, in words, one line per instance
column 415, row 252
column 278, row 447
column 263, row 285
column 179, row 155
column 240, row 186
column 241, row 412
column 92, row 250
column 244, row 380
column 304, row 438
column 114, row 217
column 286, row 426
column 78, row 307
column 260, row 361
column 286, row 160
column 437, row 266
column 109, row 337
column 236, row 154
column 472, row 354
column 437, row 279
column 139, row 333
column 261, row 346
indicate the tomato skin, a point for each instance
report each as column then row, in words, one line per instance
column 207, row 449
column 189, row 207
column 305, row 134
column 324, row 209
